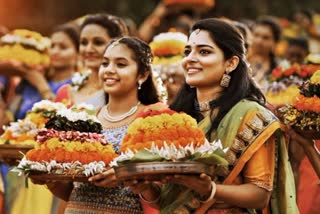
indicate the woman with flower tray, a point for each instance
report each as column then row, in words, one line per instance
column 96, row 31
column 220, row 94
column 303, row 116
column 126, row 75
column 35, row 86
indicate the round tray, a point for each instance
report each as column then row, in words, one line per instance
column 156, row 170
column 309, row 134
column 41, row 176
column 11, row 153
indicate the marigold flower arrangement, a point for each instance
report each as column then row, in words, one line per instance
column 166, row 135
column 25, row 46
column 71, row 143
column 304, row 112
column 167, row 49
column 24, row 131
column 201, row 5
column 286, row 80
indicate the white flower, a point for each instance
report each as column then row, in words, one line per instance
column 78, row 79
column 48, row 105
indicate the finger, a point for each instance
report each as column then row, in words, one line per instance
column 204, row 176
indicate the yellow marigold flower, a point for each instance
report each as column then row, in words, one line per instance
column 315, row 79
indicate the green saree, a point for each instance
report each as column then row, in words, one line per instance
column 244, row 129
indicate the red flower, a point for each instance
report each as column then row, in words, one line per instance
column 289, row 71
column 276, row 73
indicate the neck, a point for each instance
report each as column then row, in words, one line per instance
column 61, row 74
column 121, row 105
column 208, row 94
column 258, row 56
column 93, row 80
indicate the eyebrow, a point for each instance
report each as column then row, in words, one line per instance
column 201, row 46
column 117, row 58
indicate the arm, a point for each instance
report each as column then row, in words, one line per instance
column 309, row 149
column 245, row 195
column 61, row 189
column 147, row 28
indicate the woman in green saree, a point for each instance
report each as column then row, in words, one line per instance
column 220, row 94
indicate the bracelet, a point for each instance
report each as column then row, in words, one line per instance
column 315, row 147
column 212, row 194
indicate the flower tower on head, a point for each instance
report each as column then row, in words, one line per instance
column 286, row 80
column 26, row 46
column 168, row 49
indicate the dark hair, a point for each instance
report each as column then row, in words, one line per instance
column 245, row 31
column 272, row 24
column 241, row 86
column 276, row 33
column 301, row 42
column 72, row 30
column 114, row 26
column 308, row 13
column 143, row 56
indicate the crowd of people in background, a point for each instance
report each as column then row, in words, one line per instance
column 224, row 73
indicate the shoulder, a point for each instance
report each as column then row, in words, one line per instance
column 156, row 106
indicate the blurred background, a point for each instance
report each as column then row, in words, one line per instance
column 41, row 15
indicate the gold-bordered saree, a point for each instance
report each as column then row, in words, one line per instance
column 245, row 129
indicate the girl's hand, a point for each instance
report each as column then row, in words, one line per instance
column 200, row 184
column 105, row 179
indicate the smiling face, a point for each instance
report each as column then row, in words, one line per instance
column 63, row 52
column 93, row 41
column 263, row 40
column 119, row 71
column 204, row 61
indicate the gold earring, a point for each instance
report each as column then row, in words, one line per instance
column 225, row 80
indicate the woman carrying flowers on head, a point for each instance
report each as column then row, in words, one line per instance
column 221, row 95
column 96, row 31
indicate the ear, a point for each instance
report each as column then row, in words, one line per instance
column 143, row 77
column 232, row 64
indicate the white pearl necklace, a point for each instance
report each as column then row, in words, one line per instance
column 114, row 119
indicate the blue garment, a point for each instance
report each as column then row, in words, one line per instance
column 87, row 198
column 30, row 95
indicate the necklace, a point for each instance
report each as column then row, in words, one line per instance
column 114, row 119
column 204, row 106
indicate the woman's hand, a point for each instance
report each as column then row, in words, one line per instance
column 201, row 184
column 139, row 187
column 105, row 179
column 302, row 141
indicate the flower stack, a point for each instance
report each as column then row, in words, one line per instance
column 286, row 80
column 167, row 49
column 25, row 46
column 166, row 135
column 303, row 114
column 24, row 131
column 70, row 144
column 198, row 5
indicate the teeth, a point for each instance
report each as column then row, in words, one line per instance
column 110, row 81
column 193, row 70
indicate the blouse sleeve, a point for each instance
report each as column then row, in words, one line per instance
column 259, row 170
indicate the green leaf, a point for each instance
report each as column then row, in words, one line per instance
column 211, row 159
